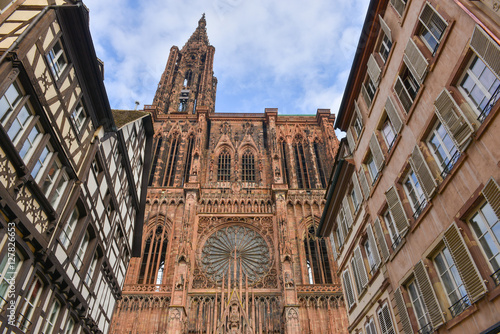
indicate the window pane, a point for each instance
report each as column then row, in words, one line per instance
column 29, row 144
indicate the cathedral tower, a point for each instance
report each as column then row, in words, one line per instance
column 234, row 200
column 188, row 80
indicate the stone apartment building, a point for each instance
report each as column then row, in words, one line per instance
column 234, row 200
column 73, row 175
column 413, row 203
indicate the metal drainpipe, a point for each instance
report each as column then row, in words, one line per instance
column 32, row 24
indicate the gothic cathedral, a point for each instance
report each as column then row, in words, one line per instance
column 234, row 200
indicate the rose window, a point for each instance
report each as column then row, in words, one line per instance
column 235, row 248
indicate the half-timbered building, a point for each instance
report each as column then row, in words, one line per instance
column 73, row 175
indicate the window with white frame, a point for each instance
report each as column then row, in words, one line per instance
column 69, row 326
column 388, row 133
column 479, row 85
column 78, row 116
column 385, row 320
column 52, row 317
column 82, row 249
column 385, row 48
column 432, row 27
column 414, row 193
column 372, row 168
column 30, row 303
column 369, row 255
column 9, row 101
column 57, row 60
column 8, row 273
column 391, row 227
column 90, row 272
column 419, row 308
column 406, row 88
column 41, row 162
column 358, row 127
column 54, row 183
column 355, row 200
column 69, row 228
column 442, row 148
column 371, row 88
column 451, row 281
column 370, row 327
column 486, row 227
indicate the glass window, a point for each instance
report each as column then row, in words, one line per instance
column 69, row 326
column 224, row 166
column 9, row 267
column 486, row 227
column 449, row 276
column 385, row 48
column 57, row 60
column 432, row 28
column 9, row 101
column 358, row 127
column 80, row 254
column 414, row 193
column 479, row 85
column 52, row 317
column 370, row 88
column 30, row 302
column 248, row 167
column 370, row 327
column 442, row 148
column 406, row 88
column 355, row 201
column 90, row 272
column 41, row 162
column 418, row 306
column 78, row 116
column 385, row 320
column 388, row 133
column 372, row 168
column 391, row 227
column 369, row 255
column 69, row 228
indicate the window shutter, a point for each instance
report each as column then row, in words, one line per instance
column 402, row 94
column 415, row 60
column 486, row 49
column 347, row 212
column 334, row 247
column 366, row 97
column 373, row 245
column 373, row 69
column 430, row 18
column 492, row 194
column 348, row 288
column 358, row 112
column 424, row 174
column 428, row 295
column 363, row 277
column 397, row 211
column 385, row 27
column 399, row 6
column 403, row 315
column 466, row 267
column 343, row 224
column 364, row 183
column 357, row 189
column 384, row 317
column 393, row 115
column 384, row 250
column 453, row 119
column 378, row 156
column 350, row 140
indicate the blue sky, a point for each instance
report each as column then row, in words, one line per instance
column 292, row 55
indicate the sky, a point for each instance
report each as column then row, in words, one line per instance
column 293, row 55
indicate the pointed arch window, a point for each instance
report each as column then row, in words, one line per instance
column 318, row 265
column 224, row 166
column 189, row 158
column 168, row 180
column 301, row 166
column 319, row 165
column 284, row 163
column 159, row 141
column 248, row 167
column 153, row 258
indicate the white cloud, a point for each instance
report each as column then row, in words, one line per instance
column 293, row 55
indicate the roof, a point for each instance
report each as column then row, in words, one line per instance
column 124, row 117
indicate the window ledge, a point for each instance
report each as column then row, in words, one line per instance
column 461, row 317
column 375, row 274
column 414, row 104
column 353, row 306
column 454, row 170
column 421, row 217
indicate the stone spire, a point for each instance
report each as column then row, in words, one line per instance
column 199, row 36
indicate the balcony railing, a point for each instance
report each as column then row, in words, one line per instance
column 396, row 242
column 427, row 329
column 496, row 277
column 421, row 206
column 449, row 165
column 462, row 304
column 491, row 102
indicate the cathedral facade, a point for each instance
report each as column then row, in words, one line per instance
column 234, row 200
